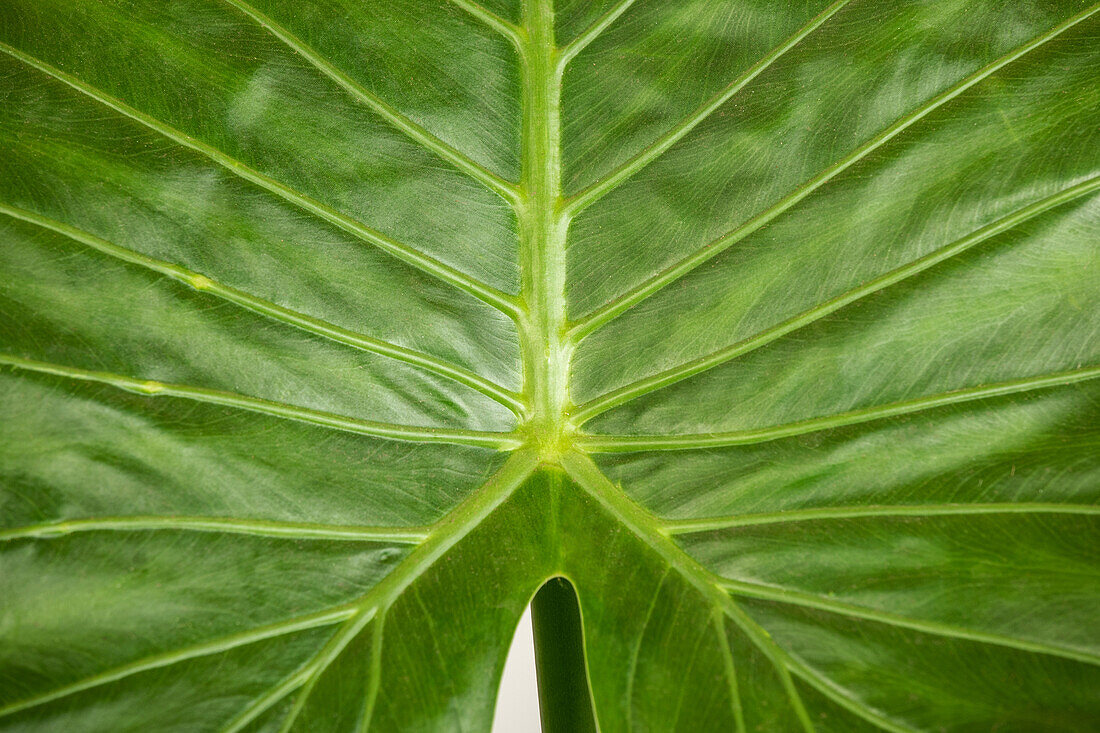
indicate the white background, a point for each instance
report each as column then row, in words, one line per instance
column 518, row 702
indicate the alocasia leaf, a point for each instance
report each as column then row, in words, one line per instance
column 333, row 330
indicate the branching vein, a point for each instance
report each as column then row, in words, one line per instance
column 492, row 20
column 501, row 301
column 415, row 132
column 279, row 313
column 500, row 441
column 591, row 33
column 252, row 636
column 601, row 188
column 810, row 600
column 697, row 366
column 222, row 525
column 628, row 300
column 626, row 443
column 874, row 511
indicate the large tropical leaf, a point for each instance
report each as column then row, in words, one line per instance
column 334, row 329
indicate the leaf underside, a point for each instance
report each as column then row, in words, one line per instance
column 331, row 331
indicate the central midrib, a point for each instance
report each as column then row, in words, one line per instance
column 542, row 226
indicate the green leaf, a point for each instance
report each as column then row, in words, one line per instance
column 760, row 336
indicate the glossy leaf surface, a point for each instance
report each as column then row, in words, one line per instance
column 331, row 331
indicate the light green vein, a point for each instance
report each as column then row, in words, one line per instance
column 375, row 682
column 317, row 326
column 321, row 661
column 677, row 374
column 500, row 441
column 223, row 525
column 415, row 132
column 838, row 694
column 632, row 667
column 626, row 443
column 718, row 619
column 302, row 623
column 628, row 300
column 509, row 30
column 810, row 600
column 646, row 528
column 590, row 34
column 261, row 704
column 487, row 294
column 773, row 653
column 605, row 185
column 445, row 534
column 711, row 524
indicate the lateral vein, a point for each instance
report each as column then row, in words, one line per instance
column 645, row 527
column 317, row 326
column 608, row 183
column 302, row 623
column 669, row 377
column 718, row 620
column 810, row 600
column 223, row 525
column 628, row 443
column 489, row 295
column 591, row 33
column 712, row 524
column 258, row 706
column 509, row 30
column 443, row 536
column 485, row 439
column 413, row 131
column 632, row 297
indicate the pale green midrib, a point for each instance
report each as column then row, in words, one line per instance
column 317, row 326
column 642, row 387
column 644, row 526
column 484, row 439
column 302, row 623
column 601, row 316
column 505, row 28
column 221, row 525
column 485, row 293
column 591, row 33
column 873, row 511
column 542, row 229
column 593, row 193
column 690, row 441
column 935, row 628
column 413, row 131
column 447, row 532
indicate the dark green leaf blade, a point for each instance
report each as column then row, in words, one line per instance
column 331, row 332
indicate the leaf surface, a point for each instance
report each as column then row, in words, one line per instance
column 333, row 331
